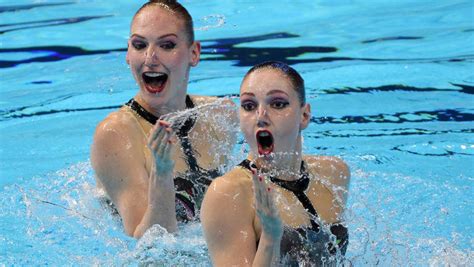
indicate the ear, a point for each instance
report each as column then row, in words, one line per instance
column 195, row 53
column 305, row 116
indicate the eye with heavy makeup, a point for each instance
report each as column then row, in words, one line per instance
column 138, row 44
column 279, row 103
column 165, row 44
column 248, row 105
column 168, row 45
column 275, row 103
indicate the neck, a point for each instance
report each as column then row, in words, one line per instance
column 160, row 109
column 285, row 167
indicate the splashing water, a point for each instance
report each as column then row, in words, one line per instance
column 61, row 220
column 219, row 113
column 65, row 221
column 210, row 22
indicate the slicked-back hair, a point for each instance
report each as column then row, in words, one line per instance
column 293, row 76
column 176, row 8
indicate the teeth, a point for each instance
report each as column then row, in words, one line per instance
column 264, row 134
column 153, row 74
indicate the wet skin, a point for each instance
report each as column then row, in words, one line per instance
column 159, row 43
column 135, row 162
column 269, row 103
column 243, row 208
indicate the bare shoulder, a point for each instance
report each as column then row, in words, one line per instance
column 229, row 194
column 227, row 218
column 203, row 100
column 333, row 169
column 116, row 122
column 220, row 116
column 112, row 144
column 234, row 182
column 227, row 206
column 114, row 130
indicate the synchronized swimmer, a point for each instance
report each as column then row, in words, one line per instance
column 277, row 206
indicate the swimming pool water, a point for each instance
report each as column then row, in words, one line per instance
column 391, row 86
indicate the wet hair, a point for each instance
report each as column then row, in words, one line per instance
column 293, row 76
column 176, row 8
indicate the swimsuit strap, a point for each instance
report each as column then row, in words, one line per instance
column 297, row 187
column 148, row 116
column 141, row 111
column 181, row 132
column 185, row 187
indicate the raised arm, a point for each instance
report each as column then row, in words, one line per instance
column 118, row 159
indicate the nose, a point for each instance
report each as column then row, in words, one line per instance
column 262, row 117
column 151, row 57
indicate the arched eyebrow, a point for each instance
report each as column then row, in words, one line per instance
column 247, row 93
column 161, row 37
column 276, row 91
column 271, row 92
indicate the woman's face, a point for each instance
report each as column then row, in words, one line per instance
column 271, row 115
column 159, row 55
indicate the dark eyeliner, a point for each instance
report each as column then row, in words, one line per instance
column 138, row 44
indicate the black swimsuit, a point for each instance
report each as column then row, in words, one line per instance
column 307, row 244
column 191, row 185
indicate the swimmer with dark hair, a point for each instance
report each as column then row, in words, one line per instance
column 278, row 206
column 152, row 168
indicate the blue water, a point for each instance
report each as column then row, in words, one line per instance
column 391, row 86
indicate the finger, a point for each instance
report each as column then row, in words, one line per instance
column 260, row 187
column 160, row 148
column 258, row 183
column 156, row 132
column 157, row 144
column 271, row 204
column 257, row 193
column 162, row 135
column 158, row 127
column 154, row 146
column 167, row 150
column 262, row 193
column 164, row 144
column 270, row 198
column 173, row 139
column 164, row 123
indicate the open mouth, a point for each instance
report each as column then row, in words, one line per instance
column 264, row 142
column 154, row 81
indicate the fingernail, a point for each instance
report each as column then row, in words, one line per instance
column 253, row 171
column 269, row 189
column 260, row 178
column 164, row 123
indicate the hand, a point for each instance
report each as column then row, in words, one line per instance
column 272, row 226
column 160, row 143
